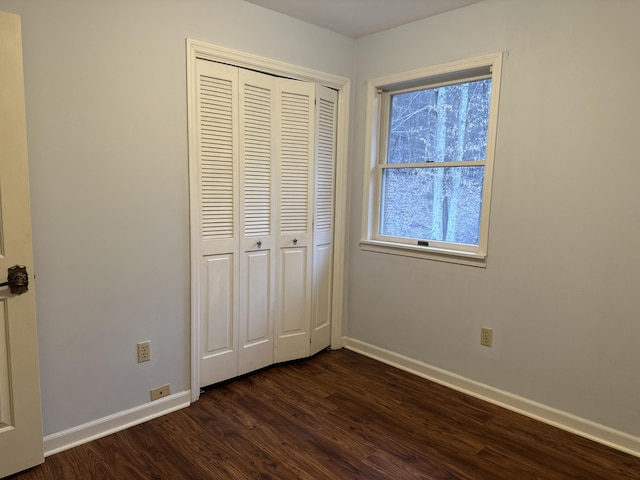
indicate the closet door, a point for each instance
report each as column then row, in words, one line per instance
column 324, row 165
column 265, row 272
column 295, row 107
column 257, row 211
column 217, row 215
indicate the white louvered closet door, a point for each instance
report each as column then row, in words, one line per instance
column 217, row 215
column 295, row 108
column 265, row 283
column 257, row 211
column 325, row 148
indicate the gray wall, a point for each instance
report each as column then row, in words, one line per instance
column 561, row 288
column 107, row 132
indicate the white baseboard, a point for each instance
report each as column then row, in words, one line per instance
column 566, row 421
column 57, row 442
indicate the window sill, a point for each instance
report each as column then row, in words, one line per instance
column 428, row 253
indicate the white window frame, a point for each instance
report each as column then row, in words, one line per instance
column 486, row 66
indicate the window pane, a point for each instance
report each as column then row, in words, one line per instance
column 442, row 124
column 440, row 204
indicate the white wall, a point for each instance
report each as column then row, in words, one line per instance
column 562, row 285
column 106, row 112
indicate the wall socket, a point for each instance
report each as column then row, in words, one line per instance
column 160, row 392
column 144, row 351
column 486, row 336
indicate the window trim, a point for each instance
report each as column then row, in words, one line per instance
column 488, row 66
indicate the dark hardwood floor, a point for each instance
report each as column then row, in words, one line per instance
column 338, row 415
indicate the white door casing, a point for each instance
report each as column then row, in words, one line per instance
column 21, row 444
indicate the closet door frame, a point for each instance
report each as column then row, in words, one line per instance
column 200, row 50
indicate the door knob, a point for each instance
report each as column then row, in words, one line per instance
column 259, row 243
column 295, row 241
column 17, row 280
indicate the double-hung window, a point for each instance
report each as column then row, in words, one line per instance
column 430, row 148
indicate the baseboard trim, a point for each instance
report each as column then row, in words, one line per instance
column 72, row 437
column 566, row 421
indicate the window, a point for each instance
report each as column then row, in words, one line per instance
column 431, row 136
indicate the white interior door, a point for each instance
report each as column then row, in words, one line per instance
column 236, row 210
column 295, row 109
column 21, row 444
column 324, row 164
column 254, row 218
column 257, row 211
column 216, row 220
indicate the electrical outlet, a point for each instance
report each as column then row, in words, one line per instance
column 144, row 351
column 486, row 336
column 160, row 392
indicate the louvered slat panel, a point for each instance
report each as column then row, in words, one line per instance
column 216, row 157
column 294, row 170
column 257, row 160
column 324, row 165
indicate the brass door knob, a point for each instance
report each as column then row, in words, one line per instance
column 17, row 280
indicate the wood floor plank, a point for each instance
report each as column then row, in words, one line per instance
column 338, row 415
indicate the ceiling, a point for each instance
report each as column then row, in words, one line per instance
column 356, row 18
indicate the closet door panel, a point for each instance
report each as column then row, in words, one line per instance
column 219, row 349
column 257, row 211
column 217, row 154
column 321, row 297
column 256, row 324
column 293, row 328
column 324, row 165
column 295, row 107
column 217, row 218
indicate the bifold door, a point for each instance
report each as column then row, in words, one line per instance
column 264, row 177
